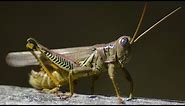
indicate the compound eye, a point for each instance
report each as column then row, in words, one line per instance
column 124, row 41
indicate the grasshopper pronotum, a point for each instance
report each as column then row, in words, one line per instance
column 57, row 69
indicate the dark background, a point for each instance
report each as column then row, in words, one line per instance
column 157, row 65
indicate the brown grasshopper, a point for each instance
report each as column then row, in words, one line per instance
column 63, row 66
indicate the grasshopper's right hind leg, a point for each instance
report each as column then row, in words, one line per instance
column 33, row 45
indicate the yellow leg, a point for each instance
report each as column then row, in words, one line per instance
column 46, row 70
column 32, row 45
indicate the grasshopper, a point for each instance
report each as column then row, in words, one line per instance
column 63, row 66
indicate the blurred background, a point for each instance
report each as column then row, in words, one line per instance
column 158, row 58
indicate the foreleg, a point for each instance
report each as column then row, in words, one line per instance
column 129, row 79
column 111, row 69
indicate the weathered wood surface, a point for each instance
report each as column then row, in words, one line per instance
column 10, row 95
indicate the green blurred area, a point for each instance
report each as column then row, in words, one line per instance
column 157, row 64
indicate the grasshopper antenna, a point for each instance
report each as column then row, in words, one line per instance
column 156, row 23
column 139, row 24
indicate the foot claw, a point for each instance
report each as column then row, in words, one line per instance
column 64, row 96
column 121, row 101
column 130, row 97
column 50, row 91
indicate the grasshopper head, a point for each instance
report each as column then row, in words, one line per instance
column 31, row 43
column 123, row 49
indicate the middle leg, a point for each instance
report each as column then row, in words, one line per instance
column 77, row 73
